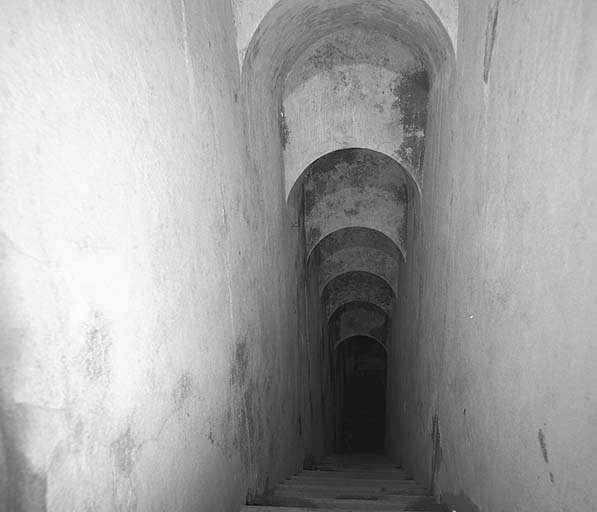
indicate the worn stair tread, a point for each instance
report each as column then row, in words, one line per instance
column 315, row 490
column 356, row 464
column 358, row 496
column 381, row 482
column 385, row 475
column 375, row 503
column 385, row 486
column 346, row 464
column 385, row 482
column 268, row 508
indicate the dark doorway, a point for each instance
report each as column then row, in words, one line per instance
column 361, row 364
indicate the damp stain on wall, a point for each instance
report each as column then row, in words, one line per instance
column 182, row 391
column 96, row 354
column 490, row 34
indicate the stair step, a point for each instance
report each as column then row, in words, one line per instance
column 320, row 490
column 369, row 482
column 347, row 483
column 354, row 484
column 378, row 475
column 267, row 508
column 398, row 504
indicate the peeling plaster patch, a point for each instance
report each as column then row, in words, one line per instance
column 329, row 54
column 284, row 130
column 123, row 451
column 182, row 390
column 96, row 357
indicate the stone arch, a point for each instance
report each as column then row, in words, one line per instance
column 357, row 287
column 358, row 317
column 356, row 248
column 251, row 18
column 356, row 187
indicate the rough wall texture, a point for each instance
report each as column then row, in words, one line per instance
column 149, row 312
column 499, row 369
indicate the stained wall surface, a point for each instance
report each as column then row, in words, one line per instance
column 150, row 316
column 498, row 367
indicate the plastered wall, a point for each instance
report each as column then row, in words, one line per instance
column 149, row 314
column 498, row 362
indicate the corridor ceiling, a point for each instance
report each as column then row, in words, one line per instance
column 347, row 85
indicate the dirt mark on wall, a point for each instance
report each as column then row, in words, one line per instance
column 490, row 32
column 542, row 445
column 98, row 342
column 436, row 454
column 247, row 433
column 182, row 391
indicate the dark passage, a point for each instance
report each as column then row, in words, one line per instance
column 360, row 396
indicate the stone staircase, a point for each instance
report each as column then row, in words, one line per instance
column 347, row 483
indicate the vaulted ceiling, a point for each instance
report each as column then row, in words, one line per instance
column 347, row 85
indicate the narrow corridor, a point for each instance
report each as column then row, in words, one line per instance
column 237, row 236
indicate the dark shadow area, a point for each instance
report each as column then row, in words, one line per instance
column 361, row 370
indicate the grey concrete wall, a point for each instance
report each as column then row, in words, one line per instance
column 149, row 310
column 499, row 366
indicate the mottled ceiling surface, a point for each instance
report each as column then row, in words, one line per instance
column 355, row 88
